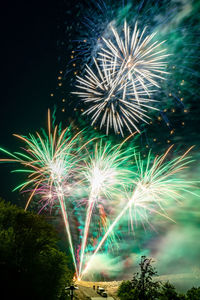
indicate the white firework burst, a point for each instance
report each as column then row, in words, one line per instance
column 139, row 54
column 111, row 98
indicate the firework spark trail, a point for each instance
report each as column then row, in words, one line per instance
column 152, row 184
column 140, row 56
column 112, row 100
column 50, row 163
column 103, row 173
column 110, row 229
column 90, row 207
column 66, row 221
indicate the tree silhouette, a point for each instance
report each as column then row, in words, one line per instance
column 30, row 260
column 142, row 286
column 143, row 282
column 193, row 293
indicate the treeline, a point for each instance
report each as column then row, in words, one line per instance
column 144, row 287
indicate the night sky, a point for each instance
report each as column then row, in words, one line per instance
column 29, row 61
column 38, row 41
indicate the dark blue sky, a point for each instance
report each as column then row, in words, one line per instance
column 29, row 68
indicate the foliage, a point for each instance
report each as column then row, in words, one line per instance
column 168, row 292
column 193, row 293
column 143, row 287
column 143, row 281
column 29, row 258
column 125, row 291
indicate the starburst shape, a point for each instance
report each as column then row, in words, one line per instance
column 111, row 98
column 141, row 56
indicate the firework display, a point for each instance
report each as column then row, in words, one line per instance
column 50, row 163
column 113, row 99
column 137, row 68
column 120, row 94
column 173, row 22
column 155, row 181
column 54, row 165
column 142, row 58
column 104, row 174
